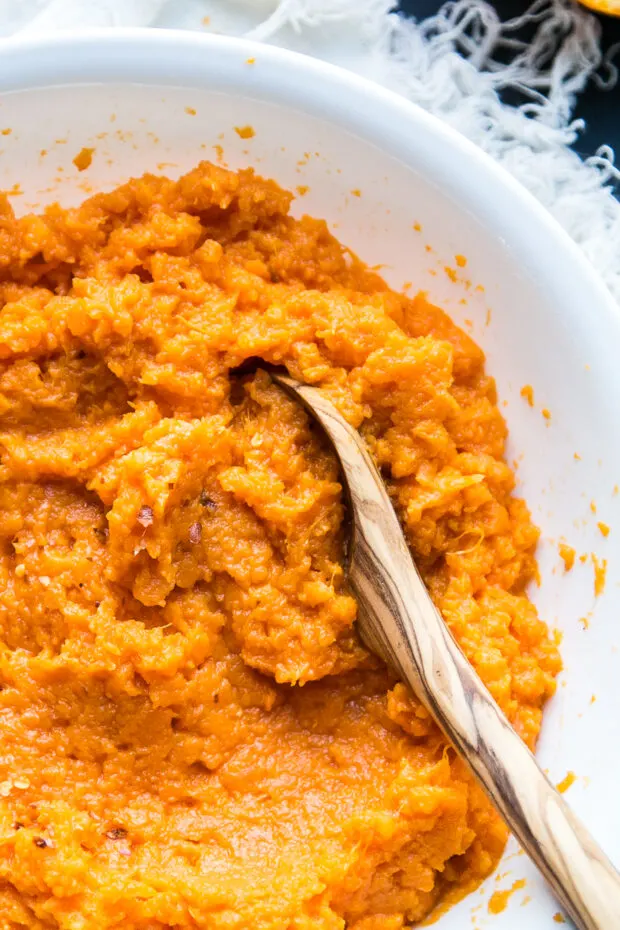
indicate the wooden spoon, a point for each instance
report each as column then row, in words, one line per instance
column 398, row 621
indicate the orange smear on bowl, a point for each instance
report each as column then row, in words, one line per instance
column 567, row 554
column 569, row 779
column 245, row 132
column 83, row 159
column 527, row 392
column 600, row 574
column 499, row 899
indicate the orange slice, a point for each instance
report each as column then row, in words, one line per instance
column 611, row 7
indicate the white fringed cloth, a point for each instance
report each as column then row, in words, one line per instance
column 514, row 99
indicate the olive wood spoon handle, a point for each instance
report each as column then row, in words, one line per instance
column 398, row 621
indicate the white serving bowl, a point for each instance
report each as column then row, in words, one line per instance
column 527, row 295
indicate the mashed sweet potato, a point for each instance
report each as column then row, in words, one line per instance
column 192, row 735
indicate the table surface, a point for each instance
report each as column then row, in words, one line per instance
column 599, row 108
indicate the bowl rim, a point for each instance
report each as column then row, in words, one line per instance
column 178, row 58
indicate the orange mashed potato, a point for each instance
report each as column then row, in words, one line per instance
column 192, row 735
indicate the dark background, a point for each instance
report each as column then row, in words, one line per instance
column 599, row 108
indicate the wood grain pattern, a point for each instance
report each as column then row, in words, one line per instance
column 398, row 621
